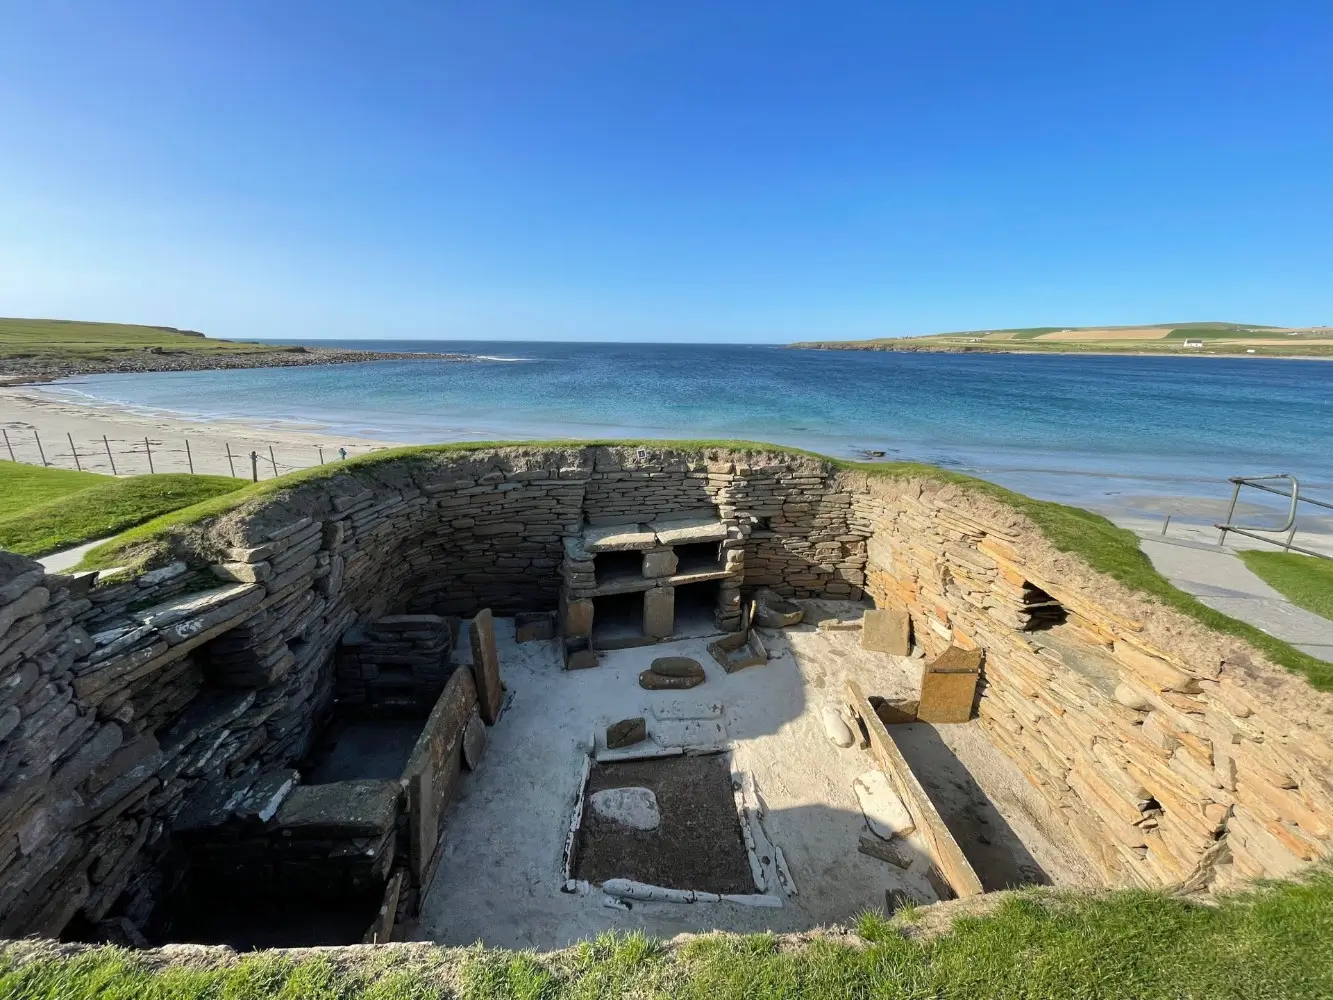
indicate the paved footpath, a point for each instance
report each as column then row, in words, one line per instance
column 1217, row 577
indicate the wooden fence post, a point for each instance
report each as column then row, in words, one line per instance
column 40, row 450
column 274, row 460
column 74, row 451
column 9, row 446
column 230, row 464
column 108, row 455
column 254, row 466
column 188, row 457
column 149, row 448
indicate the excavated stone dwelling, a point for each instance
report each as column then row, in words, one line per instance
column 278, row 717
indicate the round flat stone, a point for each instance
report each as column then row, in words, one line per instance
column 633, row 807
column 677, row 666
column 474, row 742
column 836, row 728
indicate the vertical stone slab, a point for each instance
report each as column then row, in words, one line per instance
column 659, row 562
column 949, row 686
column 659, row 612
column 576, row 616
column 887, row 630
column 486, row 666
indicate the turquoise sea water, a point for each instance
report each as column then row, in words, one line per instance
column 1054, row 426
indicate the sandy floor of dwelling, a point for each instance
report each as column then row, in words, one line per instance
column 500, row 874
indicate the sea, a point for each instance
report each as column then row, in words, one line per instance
column 1070, row 428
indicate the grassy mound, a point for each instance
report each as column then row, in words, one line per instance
column 1104, row 547
column 1306, row 581
column 102, row 508
column 26, row 486
column 1125, row 945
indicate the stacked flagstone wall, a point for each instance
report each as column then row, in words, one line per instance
column 188, row 688
column 1169, row 752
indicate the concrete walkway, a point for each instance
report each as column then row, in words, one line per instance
column 1217, row 577
column 61, row 562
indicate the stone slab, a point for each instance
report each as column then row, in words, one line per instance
column 885, row 813
column 194, row 605
column 626, row 732
column 887, row 630
column 634, row 807
column 946, row 696
column 363, row 808
column 689, row 531
column 474, row 742
column 486, row 666
column 618, row 538
column 659, row 612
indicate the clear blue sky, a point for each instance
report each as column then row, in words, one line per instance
column 706, row 170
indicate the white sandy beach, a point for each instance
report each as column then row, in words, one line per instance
column 25, row 410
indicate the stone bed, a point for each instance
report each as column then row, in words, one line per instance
column 149, row 710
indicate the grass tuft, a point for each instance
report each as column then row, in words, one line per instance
column 1306, row 581
column 1269, row 942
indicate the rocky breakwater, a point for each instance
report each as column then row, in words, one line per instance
column 47, row 368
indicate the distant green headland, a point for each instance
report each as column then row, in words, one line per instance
column 36, row 350
column 1161, row 338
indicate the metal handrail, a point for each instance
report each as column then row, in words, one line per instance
column 1288, row 526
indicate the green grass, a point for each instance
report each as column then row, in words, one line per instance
column 1306, row 581
column 1104, row 547
column 102, row 508
column 25, row 486
column 1129, row 945
column 55, row 340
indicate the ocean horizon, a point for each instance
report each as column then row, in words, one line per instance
column 1070, row 428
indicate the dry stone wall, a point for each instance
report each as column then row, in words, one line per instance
column 129, row 701
column 1170, row 753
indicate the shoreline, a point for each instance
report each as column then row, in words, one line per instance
column 39, row 371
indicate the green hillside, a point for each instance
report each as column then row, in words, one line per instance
column 64, row 340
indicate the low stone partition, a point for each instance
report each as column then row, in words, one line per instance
column 1169, row 752
column 433, row 770
column 948, row 857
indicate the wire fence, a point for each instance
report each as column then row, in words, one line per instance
column 121, row 456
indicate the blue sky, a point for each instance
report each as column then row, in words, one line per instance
column 711, row 171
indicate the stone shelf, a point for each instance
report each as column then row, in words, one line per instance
column 637, row 537
column 628, row 583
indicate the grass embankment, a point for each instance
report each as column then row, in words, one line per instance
column 58, row 340
column 25, row 486
column 1127, row 945
column 46, row 510
column 1106, row 548
column 1306, row 581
